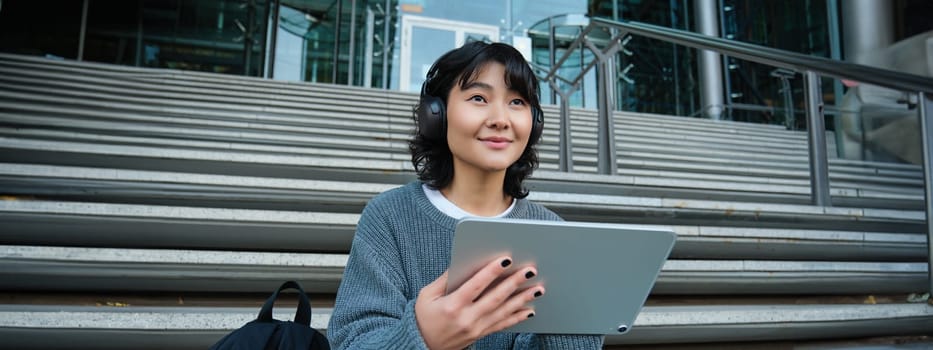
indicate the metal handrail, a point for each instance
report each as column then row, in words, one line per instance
column 811, row 67
column 775, row 57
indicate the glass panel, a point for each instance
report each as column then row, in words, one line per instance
column 878, row 124
column 495, row 12
column 40, row 28
column 876, row 150
column 112, row 27
column 585, row 95
column 291, row 45
column 203, row 35
column 427, row 44
column 797, row 28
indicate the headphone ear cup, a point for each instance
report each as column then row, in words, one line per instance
column 432, row 118
column 537, row 125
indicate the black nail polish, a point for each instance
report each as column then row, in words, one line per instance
column 538, row 294
column 531, row 315
column 506, row 262
column 529, row 275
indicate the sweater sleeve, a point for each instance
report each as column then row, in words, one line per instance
column 371, row 310
column 565, row 341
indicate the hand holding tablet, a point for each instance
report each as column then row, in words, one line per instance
column 491, row 300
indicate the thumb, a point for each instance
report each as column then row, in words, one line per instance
column 436, row 289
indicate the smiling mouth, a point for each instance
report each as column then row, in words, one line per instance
column 496, row 143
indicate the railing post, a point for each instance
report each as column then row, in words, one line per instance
column 926, row 133
column 709, row 62
column 606, row 151
column 82, row 31
column 819, row 168
column 566, row 149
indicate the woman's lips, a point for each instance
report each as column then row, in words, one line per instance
column 496, row 142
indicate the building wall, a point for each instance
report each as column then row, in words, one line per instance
column 360, row 42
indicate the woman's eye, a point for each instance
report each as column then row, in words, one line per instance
column 518, row 101
column 477, row 98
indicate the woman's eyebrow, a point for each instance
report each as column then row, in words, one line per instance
column 478, row 85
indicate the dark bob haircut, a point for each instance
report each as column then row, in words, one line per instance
column 432, row 159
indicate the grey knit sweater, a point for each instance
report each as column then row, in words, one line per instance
column 402, row 243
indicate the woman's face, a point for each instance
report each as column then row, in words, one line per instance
column 488, row 125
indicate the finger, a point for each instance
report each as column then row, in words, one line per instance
column 512, row 319
column 475, row 285
column 437, row 288
column 517, row 301
column 495, row 298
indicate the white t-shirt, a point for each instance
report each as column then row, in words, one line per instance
column 447, row 207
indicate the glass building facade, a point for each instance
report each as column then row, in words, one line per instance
column 390, row 44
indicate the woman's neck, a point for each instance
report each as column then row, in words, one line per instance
column 479, row 194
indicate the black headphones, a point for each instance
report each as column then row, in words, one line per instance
column 432, row 116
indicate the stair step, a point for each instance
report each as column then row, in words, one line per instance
column 30, row 326
column 173, row 270
column 844, row 185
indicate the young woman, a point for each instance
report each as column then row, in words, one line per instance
column 476, row 126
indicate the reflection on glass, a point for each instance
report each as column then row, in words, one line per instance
column 291, row 44
column 427, row 44
column 470, row 37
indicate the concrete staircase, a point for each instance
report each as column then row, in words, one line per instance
column 158, row 208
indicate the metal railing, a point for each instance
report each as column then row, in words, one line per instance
column 811, row 67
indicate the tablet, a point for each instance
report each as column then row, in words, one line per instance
column 596, row 276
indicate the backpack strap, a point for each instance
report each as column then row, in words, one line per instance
column 303, row 314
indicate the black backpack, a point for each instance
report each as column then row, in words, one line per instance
column 266, row 333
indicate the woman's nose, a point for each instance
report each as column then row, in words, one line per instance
column 498, row 118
